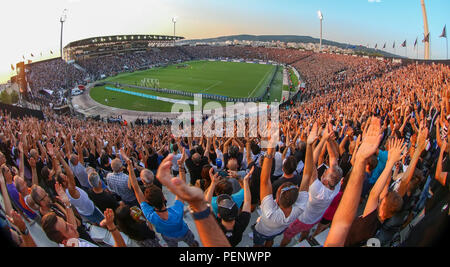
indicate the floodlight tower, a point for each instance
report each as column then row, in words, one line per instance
column 426, row 32
column 320, row 15
column 62, row 19
column 174, row 20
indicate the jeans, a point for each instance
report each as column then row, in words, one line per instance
column 95, row 217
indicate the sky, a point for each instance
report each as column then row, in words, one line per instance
column 30, row 26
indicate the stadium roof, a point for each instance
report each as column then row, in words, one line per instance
column 122, row 38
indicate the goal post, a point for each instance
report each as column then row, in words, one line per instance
column 150, row 83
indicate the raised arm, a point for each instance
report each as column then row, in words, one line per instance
column 246, row 207
column 79, row 149
column 309, row 169
column 239, row 144
column 345, row 213
column 333, row 151
column 265, row 183
column 134, row 183
column 326, row 134
column 180, row 163
column 441, row 176
column 421, row 145
column 226, row 145
column 108, row 223
column 22, row 160
column 15, row 219
column 214, row 181
column 342, row 145
column 34, row 175
column 438, row 135
column 396, row 148
column 62, row 196
column 247, row 151
column 71, row 177
column 208, row 229
column 6, row 199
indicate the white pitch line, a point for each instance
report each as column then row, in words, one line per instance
column 258, row 85
column 217, row 83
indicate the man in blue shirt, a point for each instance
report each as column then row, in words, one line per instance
column 167, row 221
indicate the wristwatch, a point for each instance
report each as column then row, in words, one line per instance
column 202, row 214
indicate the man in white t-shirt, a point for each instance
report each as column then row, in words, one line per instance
column 77, row 196
column 320, row 194
column 277, row 214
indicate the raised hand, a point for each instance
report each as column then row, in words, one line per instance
column 183, row 157
column 249, row 174
column 50, row 149
column 32, row 162
column 313, row 134
column 213, row 176
column 108, row 222
column 62, row 196
column 371, row 140
column 396, row 149
column 422, row 137
column 187, row 193
column 15, row 219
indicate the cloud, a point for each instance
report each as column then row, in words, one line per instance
column 374, row 1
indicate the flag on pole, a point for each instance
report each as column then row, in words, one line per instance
column 12, row 67
column 415, row 43
column 444, row 32
column 426, row 39
column 404, row 44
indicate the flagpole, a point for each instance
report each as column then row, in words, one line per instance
column 417, row 48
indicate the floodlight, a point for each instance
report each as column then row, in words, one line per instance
column 320, row 15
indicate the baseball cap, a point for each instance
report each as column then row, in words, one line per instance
column 227, row 208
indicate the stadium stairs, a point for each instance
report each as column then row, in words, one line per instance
column 79, row 67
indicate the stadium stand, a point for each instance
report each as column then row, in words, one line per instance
column 339, row 162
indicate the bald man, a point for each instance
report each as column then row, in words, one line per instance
column 118, row 183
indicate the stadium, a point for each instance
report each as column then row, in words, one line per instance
column 176, row 73
column 124, row 141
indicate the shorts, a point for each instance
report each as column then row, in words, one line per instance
column 259, row 239
column 297, row 227
column 95, row 217
column 188, row 238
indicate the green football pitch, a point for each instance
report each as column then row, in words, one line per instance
column 230, row 79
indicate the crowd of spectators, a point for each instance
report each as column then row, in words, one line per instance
column 111, row 65
column 285, row 56
column 324, row 72
column 364, row 155
column 53, row 75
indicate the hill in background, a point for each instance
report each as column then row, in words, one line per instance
column 293, row 39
